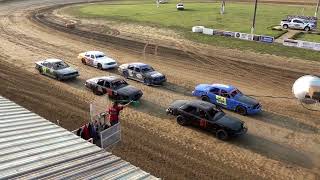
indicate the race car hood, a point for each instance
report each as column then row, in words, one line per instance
column 177, row 104
column 66, row 71
column 154, row 74
column 128, row 91
column 230, row 122
column 104, row 60
column 246, row 100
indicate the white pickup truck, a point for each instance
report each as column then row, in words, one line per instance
column 297, row 23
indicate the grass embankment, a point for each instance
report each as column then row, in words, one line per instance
column 309, row 37
column 238, row 17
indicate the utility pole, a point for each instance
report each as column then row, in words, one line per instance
column 254, row 17
column 316, row 13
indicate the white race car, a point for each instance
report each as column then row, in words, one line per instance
column 97, row 59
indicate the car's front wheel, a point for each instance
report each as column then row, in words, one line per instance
column 285, row 26
column 182, row 121
column 125, row 74
column 222, row 134
column 307, row 28
column 83, row 61
column 146, row 81
column 40, row 70
column 96, row 91
column 99, row 66
column 241, row 110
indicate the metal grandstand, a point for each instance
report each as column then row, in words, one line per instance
column 31, row 147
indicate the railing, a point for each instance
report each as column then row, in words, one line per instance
column 110, row 136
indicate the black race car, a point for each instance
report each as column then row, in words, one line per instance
column 115, row 87
column 207, row 116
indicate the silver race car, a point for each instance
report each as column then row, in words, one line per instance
column 142, row 72
column 57, row 69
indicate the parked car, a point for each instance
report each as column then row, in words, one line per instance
column 228, row 97
column 180, row 6
column 142, row 72
column 115, row 87
column 97, row 59
column 207, row 116
column 297, row 23
column 57, row 69
column 163, row 1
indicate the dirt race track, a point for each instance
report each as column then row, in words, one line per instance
column 283, row 142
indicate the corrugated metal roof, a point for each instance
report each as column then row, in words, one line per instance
column 31, row 147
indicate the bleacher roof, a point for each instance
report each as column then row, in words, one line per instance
column 31, row 147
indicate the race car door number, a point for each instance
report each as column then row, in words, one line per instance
column 221, row 100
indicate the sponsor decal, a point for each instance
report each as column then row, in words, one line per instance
column 267, row 39
column 221, row 100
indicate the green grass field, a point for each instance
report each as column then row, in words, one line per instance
column 238, row 17
column 309, row 37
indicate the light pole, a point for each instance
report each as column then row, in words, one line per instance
column 254, row 17
column 316, row 13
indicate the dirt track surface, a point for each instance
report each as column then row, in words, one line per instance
column 282, row 143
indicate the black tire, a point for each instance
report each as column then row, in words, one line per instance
column 125, row 74
column 241, row 110
column 58, row 77
column 182, row 121
column 146, row 81
column 205, row 98
column 99, row 66
column 96, row 92
column 40, row 71
column 307, row 28
column 285, row 26
column 83, row 61
column 222, row 135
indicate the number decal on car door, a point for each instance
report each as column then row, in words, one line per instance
column 221, row 100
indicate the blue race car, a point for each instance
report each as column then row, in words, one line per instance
column 227, row 97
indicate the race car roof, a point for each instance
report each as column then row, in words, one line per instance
column 227, row 88
column 53, row 60
column 108, row 78
column 95, row 52
column 138, row 64
column 202, row 104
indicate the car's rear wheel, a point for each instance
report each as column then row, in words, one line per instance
column 58, row 77
column 222, row 134
column 99, row 66
column 307, row 28
column 285, row 26
column 83, row 61
column 241, row 110
column 182, row 120
column 205, row 98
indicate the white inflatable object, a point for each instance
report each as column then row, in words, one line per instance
column 197, row 29
column 307, row 89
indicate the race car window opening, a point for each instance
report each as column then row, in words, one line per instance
column 92, row 56
column 107, row 84
column 147, row 69
column 87, row 55
column 100, row 82
column 235, row 92
column 131, row 67
column 189, row 109
column 224, row 94
column 215, row 91
column 137, row 69
column 119, row 84
column 218, row 115
column 60, row 65
column 100, row 56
